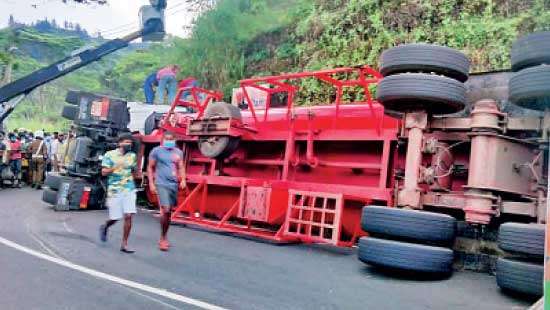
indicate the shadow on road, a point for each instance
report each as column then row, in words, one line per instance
column 403, row 275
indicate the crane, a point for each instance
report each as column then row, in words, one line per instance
column 152, row 29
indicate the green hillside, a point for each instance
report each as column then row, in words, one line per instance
column 36, row 49
column 243, row 38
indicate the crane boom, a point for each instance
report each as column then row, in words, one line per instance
column 23, row 86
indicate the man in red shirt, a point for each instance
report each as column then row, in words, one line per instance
column 15, row 158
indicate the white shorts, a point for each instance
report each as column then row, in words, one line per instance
column 120, row 204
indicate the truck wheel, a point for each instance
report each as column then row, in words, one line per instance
column 151, row 122
column 417, row 91
column 425, row 58
column 405, row 256
column 522, row 238
column 522, row 277
column 53, row 181
column 222, row 109
column 70, row 112
column 49, row 196
column 409, row 224
column 531, row 50
column 529, row 88
column 220, row 147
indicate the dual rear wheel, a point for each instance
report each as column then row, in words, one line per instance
column 521, row 269
column 407, row 240
column 423, row 77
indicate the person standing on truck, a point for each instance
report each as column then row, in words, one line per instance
column 149, row 87
column 15, row 158
column 166, row 172
column 39, row 154
column 119, row 165
column 167, row 83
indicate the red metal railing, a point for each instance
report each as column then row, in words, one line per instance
column 200, row 98
column 366, row 76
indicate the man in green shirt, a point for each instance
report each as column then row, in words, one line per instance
column 119, row 165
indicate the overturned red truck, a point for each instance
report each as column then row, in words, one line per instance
column 403, row 169
column 412, row 169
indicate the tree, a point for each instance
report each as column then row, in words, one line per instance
column 201, row 5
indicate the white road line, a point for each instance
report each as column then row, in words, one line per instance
column 111, row 278
column 167, row 305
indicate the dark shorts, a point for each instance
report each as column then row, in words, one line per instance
column 168, row 195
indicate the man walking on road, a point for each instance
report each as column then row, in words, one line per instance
column 119, row 165
column 166, row 172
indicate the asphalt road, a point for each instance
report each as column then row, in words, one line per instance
column 217, row 269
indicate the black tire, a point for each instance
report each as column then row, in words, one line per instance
column 222, row 109
column 522, row 238
column 220, row 147
column 531, row 50
column 425, row 58
column 49, row 196
column 409, row 224
column 73, row 97
column 53, row 181
column 70, row 112
column 530, row 88
column 405, row 256
column 151, row 122
column 521, row 277
column 418, row 91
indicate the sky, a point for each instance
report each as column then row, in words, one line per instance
column 115, row 19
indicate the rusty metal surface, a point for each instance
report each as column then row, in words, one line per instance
column 255, row 204
column 501, row 165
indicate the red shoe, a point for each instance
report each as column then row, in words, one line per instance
column 164, row 245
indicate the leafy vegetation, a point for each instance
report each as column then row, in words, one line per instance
column 242, row 38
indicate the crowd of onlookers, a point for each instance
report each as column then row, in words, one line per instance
column 26, row 157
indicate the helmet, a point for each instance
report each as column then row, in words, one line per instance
column 39, row 134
